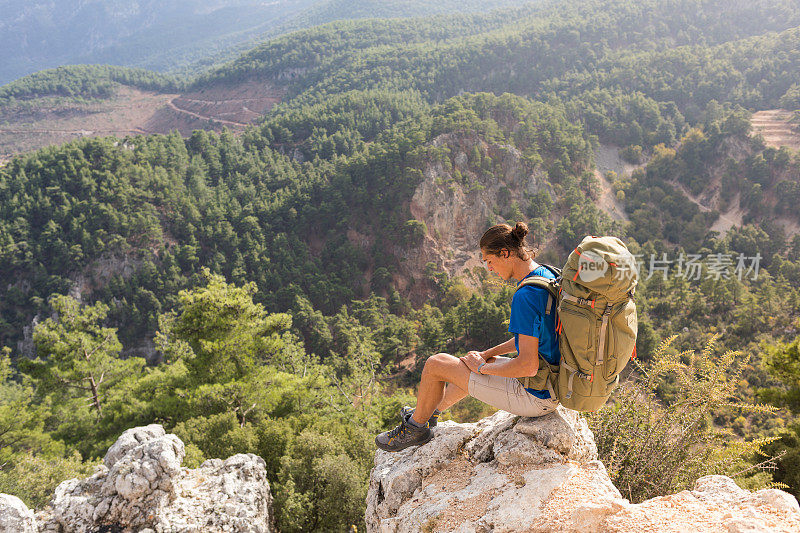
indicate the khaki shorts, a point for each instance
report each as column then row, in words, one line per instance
column 509, row 395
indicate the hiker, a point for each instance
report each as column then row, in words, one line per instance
column 487, row 375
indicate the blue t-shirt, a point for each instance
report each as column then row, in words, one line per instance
column 528, row 318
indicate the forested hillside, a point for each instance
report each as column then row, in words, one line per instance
column 276, row 291
column 84, row 81
column 634, row 73
column 36, row 35
column 186, row 36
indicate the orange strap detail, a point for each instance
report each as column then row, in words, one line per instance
column 558, row 317
column 633, row 355
column 579, row 266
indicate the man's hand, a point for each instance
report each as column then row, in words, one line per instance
column 473, row 360
column 482, row 355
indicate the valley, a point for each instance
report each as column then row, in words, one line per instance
column 256, row 254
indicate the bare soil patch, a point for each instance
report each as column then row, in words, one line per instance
column 608, row 199
column 239, row 104
column 57, row 123
column 775, row 126
column 607, row 159
column 135, row 112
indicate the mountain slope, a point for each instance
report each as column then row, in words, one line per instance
column 629, row 81
column 186, row 35
column 52, row 107
column 387, row 74
column 156, row 35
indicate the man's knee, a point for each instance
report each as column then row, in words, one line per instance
column 439, row 359
column 435, row 364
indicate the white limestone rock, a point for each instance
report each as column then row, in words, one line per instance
column 130, row 439
column 508, row 474
column 141, row 486
column 400, row 474
column 775, row 498
column 15, row 517
column 495, row 475
column 229, row 495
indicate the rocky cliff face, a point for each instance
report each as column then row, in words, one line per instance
column 510, row 474
column 456, row 200
column 141, row 487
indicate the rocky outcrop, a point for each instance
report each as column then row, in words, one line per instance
column 509, row 474
column 142, row 487
column 456, row 199
column 15, row 516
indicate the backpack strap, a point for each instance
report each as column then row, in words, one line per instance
column 602, row 346
column 573, row 371
column 552, row 287
column 574, row 299
column 548, row 284
column 553, row 269
column 551, row 297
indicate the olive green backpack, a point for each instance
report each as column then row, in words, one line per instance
column 596, row 322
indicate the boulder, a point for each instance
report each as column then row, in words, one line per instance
column 15, row 517
column 508, row 473
column 142, row 487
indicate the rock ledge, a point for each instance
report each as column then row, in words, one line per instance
column 510, row 474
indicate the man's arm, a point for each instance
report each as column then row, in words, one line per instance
column 500, row 349
column 525, row 364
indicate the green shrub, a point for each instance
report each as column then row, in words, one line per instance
column 632, row 154
column 34, row 478
column 323, row 480
column 414, row 232
column 787, row 467
column 652, row 448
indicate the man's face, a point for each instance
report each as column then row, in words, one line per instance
column 499, row 264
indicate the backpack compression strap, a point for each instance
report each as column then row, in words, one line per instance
column 601, row 347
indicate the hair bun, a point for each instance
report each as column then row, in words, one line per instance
column 519, row 231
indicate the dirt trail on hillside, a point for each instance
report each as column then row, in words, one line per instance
column 730, row 218
column 135, row 112
column 775, row 126
column 236, row 106
column 171, row 105
column 733, row 217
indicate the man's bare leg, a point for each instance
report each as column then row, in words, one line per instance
column 439, row 370
column 452, row 395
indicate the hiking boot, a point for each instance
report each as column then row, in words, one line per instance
column 403, row 436
column 407, row 411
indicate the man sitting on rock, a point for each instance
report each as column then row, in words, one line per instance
column 487, row 375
